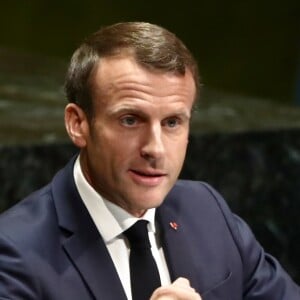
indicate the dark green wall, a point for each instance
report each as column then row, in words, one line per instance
column 249, row 47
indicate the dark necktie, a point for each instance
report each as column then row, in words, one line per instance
column 143, row 269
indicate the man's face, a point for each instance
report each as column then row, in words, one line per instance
column 135, row 146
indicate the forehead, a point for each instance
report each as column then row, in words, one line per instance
column 120, row 73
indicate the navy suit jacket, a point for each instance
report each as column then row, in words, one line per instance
column 51, row 249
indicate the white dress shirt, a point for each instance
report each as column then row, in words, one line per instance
column 111, row 221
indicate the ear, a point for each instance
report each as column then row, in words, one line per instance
column 76, row 124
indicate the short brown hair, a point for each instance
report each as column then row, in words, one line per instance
column 152, row 46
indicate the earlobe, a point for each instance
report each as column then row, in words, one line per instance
column 76, row 124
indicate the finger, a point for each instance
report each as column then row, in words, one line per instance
column 181, row 281
column 178, row 290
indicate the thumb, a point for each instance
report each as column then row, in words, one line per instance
column 182, row 282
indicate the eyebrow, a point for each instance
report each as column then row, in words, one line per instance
column 124, row 109
column 181, row 113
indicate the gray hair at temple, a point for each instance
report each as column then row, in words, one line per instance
column 152, row 46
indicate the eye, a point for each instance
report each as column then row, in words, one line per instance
column 171, row 122
column 128, row 120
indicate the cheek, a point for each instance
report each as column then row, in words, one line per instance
column 177, row 150
column 119, row 152
column 126, row 144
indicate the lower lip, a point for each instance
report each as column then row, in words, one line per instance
column 146, row 180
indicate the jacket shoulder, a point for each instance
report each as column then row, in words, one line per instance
column 26, row 217
column 197, row 193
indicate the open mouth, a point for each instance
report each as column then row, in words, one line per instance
column 147, row 174
column 148, row 178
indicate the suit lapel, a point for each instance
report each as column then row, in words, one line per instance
column 81, row 240
column 93, row 262
column 175, row 245
column 192, row 250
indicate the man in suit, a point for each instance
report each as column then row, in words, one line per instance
column 131, row 89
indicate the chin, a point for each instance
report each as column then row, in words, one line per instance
column 153, row 203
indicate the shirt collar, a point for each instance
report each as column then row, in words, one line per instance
column 110, row 219
column 126, row 220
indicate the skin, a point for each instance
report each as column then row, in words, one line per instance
column 134, row 147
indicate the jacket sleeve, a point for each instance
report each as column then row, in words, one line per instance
column 15, row 281
column 263, row 276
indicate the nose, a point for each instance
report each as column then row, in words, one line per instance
column 153, row 147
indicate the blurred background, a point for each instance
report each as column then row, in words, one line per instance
column 248, row 47
column 245, row 137
column 248, row 54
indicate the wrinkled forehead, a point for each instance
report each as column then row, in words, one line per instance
column 121, row 80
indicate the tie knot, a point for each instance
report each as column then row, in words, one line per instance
column 137, row 235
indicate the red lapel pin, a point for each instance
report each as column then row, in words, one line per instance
column 174, row 225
